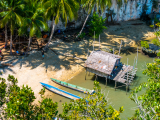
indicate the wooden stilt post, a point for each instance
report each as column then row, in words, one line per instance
column 115, row 84
column 86, row 74
column 113, row 50
column 88, row 53
column 94, row 41
column 134, row 62
column 96, row 77
column 99, row 42
column 127, row 78
column 120, row 48
column 106, row 81
column 137, row 57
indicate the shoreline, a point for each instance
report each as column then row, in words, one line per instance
column 32, row 69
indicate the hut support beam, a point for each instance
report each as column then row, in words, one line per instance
column 106, row 81
column 127, row 79
column 120, row 48
column 94, row 41
column 99, row 41
column 115, row 85
column 86, row 74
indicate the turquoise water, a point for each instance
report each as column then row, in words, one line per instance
column 117, row 98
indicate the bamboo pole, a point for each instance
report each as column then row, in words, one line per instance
column 99, row 41
column 120, row 48
column 88, row 54
column 137, row 57
column 127, row 78
column 115, row 84
column 86, row 74
column 113, row 50
column 94, row 41
column 106, row 81
column 134, row 62
column 108, row 62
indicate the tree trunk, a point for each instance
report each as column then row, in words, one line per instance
column 30, row 40
column 6, row 34
column 11, row 43
column 51, row 35
column 83, row 26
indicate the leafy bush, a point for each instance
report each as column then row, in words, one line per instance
column 96, row 24
column 156, row 42
column 148, row 103
column 158, row 54
column 96, row 108
column 144, row 44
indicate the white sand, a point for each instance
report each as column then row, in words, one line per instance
column 32, row 70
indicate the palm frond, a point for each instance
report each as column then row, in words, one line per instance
column 5, row 20
column 33, row 29
column 3, row 13
column 18, row 19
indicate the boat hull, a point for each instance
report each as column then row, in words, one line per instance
column 60, row 92
column 74, row 86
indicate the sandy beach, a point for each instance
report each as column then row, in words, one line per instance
column 32, row 69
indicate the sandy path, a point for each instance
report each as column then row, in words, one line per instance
column 32, row 70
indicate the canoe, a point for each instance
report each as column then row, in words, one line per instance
column 60, row 92
column 75, row 87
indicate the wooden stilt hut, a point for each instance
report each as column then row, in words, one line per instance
column 108, row 65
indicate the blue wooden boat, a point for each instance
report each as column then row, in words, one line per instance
column 60, row 92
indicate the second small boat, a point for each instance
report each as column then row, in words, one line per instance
column 75, row 87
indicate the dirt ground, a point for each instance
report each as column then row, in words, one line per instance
column 32, row 69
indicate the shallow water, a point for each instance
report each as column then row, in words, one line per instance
column 118, row 98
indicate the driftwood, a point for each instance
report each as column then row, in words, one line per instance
column 20, row 42
column 7, row 64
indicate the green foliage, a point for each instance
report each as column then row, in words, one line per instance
column 3, row 87
column 96, row 24
column 19, row 102
column 82, row 35
column 119, row 2
column 47, row 109
column 149, row 102
column 158, row 54
column 20, row 99
column 144, row 44
column 94, row 106
column 156, row 42
column 155, row 4
column 11, row 13
column 33, row 19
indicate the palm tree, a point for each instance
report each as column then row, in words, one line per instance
column 90, row 4
column 33, row 19
column 64, row 9
column 3, row 7
column 10, row 15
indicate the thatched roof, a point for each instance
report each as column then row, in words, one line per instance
column 101, row 61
